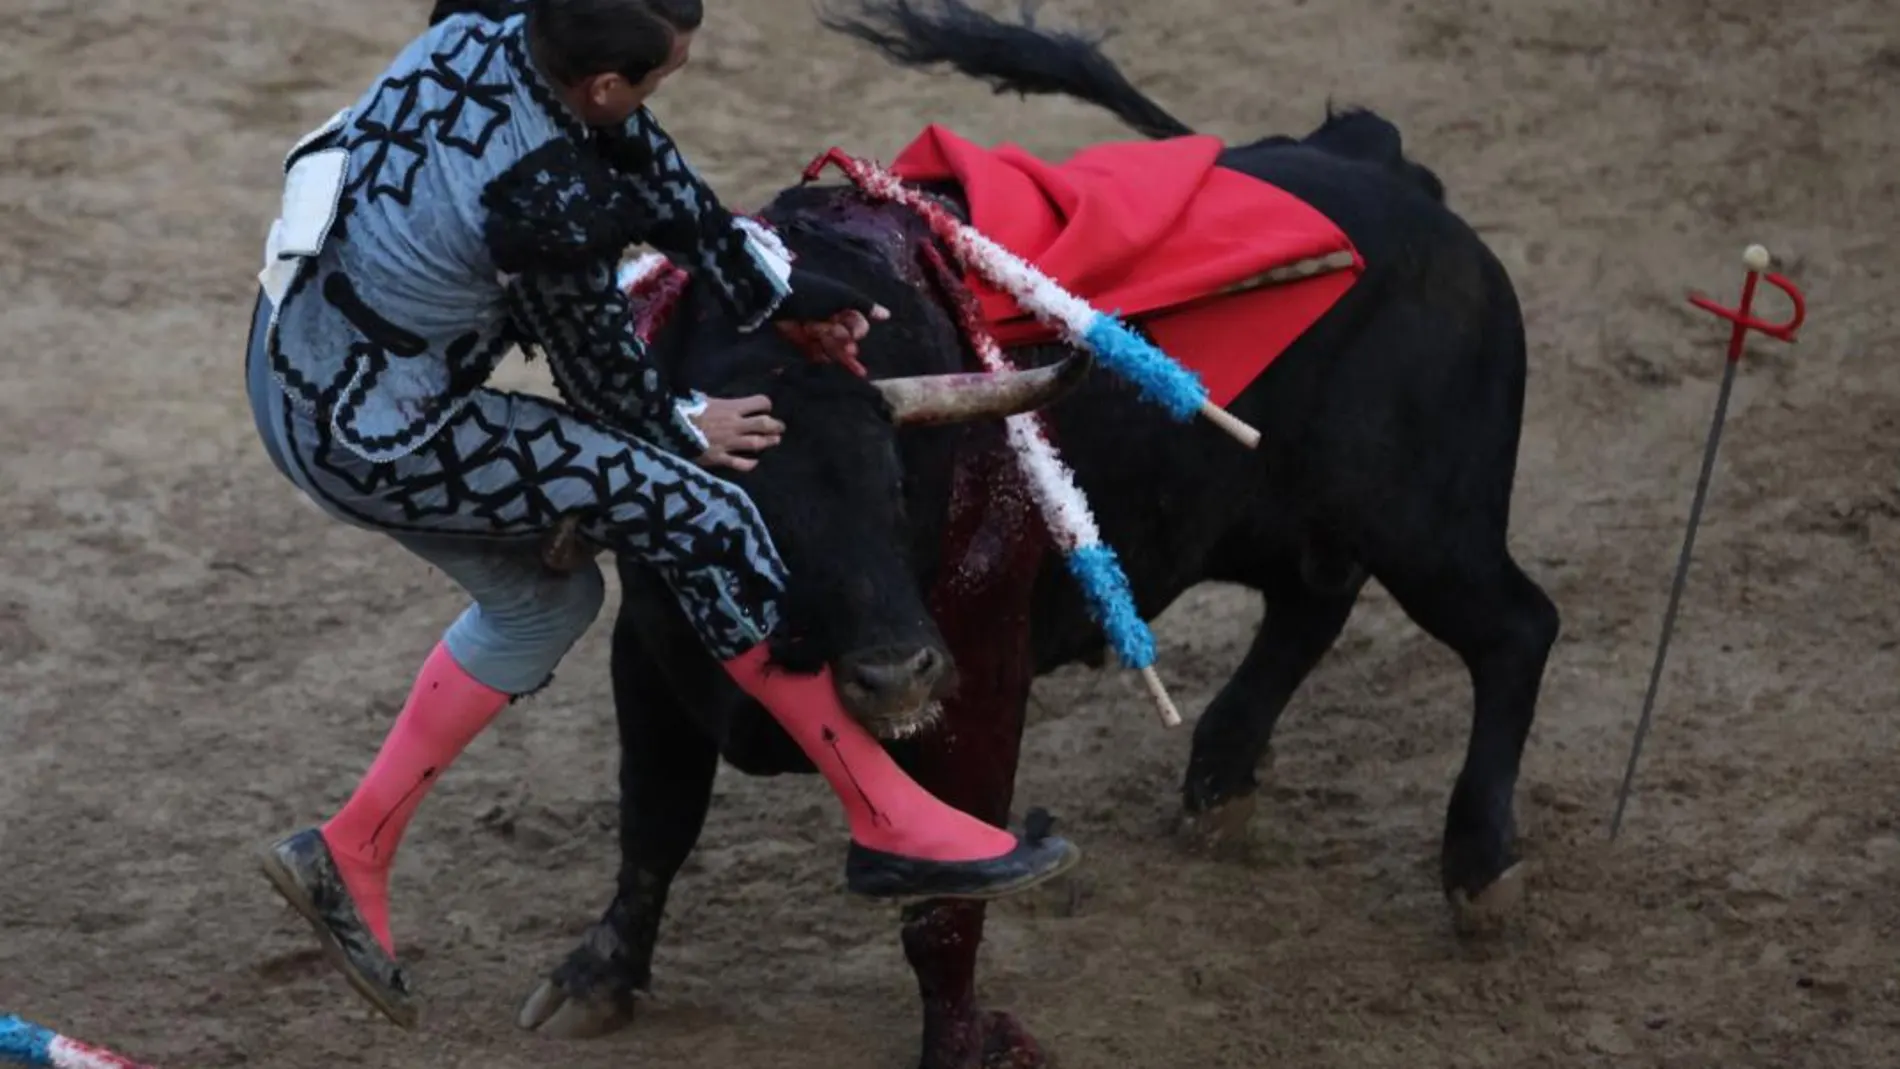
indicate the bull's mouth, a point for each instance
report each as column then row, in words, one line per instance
column 888, row 718
column 895, row 712
column 892, row 725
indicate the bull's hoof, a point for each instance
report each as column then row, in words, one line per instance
column 1221, row 828
column 1492, row 908
column 1008, row 1045
column 592, row 994
column 1003, row 1043
column 557, row 1013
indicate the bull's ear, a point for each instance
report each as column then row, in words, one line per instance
column 936, row 400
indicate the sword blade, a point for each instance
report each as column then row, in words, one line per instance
column 1675, row 591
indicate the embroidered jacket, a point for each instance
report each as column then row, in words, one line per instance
column 471, row 210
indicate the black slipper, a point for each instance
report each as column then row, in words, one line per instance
column 1037, row 858
column 300, row 867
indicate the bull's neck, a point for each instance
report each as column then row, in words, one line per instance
column 889, row 231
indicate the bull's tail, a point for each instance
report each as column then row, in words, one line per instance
column 1023, row 58
column 1015, row 58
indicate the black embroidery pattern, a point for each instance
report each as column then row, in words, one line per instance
column 656, row 198
column 342, row 295
column 688, row 223
column 476, row 108
column 586, row 328
column 301, row 387
column 559, row 208
column 466, row 373
column 557, row 221
column 507, row 466
column 396, row 130
column 398, row 133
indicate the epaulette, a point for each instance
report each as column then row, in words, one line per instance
column 559, row 207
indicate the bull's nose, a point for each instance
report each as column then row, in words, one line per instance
column 917, row 669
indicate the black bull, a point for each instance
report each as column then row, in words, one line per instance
column 1389, row 451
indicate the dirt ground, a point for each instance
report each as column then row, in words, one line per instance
column 192, row 661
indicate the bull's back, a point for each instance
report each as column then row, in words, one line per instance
column 1379, row 367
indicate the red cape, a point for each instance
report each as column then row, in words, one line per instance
column 1143, row 229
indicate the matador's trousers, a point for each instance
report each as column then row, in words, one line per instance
column 477, row 499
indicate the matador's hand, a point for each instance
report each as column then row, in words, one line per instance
column 735, row 429
column 834, row 340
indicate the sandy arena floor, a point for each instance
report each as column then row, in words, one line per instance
column 193, row 661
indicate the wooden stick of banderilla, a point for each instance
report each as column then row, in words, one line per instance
column 1158, row 693
column 1233, row 425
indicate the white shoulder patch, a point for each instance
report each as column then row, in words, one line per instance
column 313, row 189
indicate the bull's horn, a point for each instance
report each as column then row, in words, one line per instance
column 939, row 399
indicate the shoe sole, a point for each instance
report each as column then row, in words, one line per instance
column 292, row 892
column 991, row 894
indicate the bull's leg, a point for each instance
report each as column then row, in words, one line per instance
column 1233, row 737
column 970, row 761
column 981, row 604
column 667, row 768
column 1502, row 625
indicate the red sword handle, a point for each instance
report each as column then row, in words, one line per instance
column 1739, row 316
column 1758, row 261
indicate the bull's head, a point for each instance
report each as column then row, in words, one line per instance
column 855, row 494
column 854, row 497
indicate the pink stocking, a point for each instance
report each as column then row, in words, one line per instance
column 446, row 709
column 885, row 808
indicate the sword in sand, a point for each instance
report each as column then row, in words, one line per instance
column 1758, row 262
